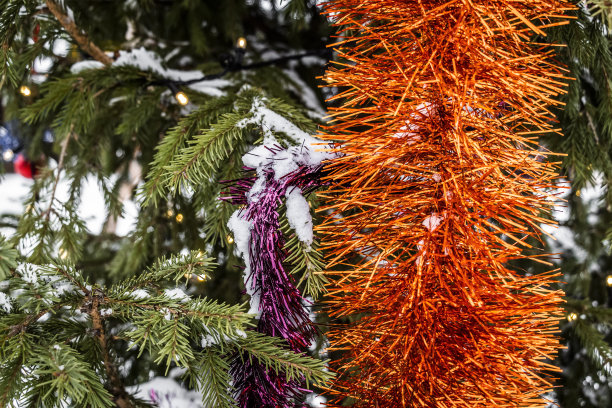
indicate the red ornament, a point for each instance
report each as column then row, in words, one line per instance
column 36, row 33
column 24, row 167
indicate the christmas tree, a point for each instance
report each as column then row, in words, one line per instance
column 154, row 107
column 164, row 254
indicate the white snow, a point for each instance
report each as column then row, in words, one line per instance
column 307, row 150
column 28, row 273
column 167, row 393
column 63, row 288
column 15, row 190
column 176, row 294
column 5, row 302
column 139, row 294
column 85, row 65
column 298, row 215
column 208, row 341
column 316, row 400
column 433, row 221
column 241, row 228
column 106, row 312
column 147, row 60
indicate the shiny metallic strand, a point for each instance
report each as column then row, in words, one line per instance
column 281, row 305
column 439, row 183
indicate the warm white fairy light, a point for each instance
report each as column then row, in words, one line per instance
column 8, row 155
column 182, row 98
column 25, row 90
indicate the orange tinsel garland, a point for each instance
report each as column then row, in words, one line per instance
column 439, row 183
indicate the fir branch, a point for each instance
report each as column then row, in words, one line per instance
column 75, row 32
column 174, row 268
column 117, row 389
column 175, row 139
column 306, row 261
column 212, row 379
column 205, row 153
column 274, row 354
column 64, row 375
column 8, row 258
column 598, row 350
column 60, row 166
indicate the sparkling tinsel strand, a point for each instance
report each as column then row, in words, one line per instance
column 280, row 305
column 438, row 185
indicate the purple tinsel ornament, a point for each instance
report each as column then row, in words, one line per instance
column 274, row 296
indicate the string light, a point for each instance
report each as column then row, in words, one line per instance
column 230, row 239
column 25, row 90
column 578, row 193
column 179, row 218
column 609, row 280
column 572, row 316
column 241, row 43
column 169, row 213
column 63, row 253
column 182, row 98
column 8, row 155
column 199, row 278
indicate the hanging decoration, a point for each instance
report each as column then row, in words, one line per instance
column 438, row 185
column 277, row 177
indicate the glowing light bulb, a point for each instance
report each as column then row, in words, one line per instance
column 8, row 155
column 241, row 43
column 201, row 278
column 187, row 276
column 609, row 280
column 25, row 91
column 230, row 239
column 182, row 98
column 578, row 193
column 63, row 253
column 169, row 213
column 572, row 316
column 200, row 254
column 179, row 218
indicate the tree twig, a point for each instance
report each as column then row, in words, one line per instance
column 60, row 165
column 79, row 36
column 117, row 388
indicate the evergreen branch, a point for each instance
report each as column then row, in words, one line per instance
column 176, row 138
column 8, row 258
column 207, row 151
column 594, row 342
column 274, row 354
column 60, row 166
column 13, row 357
column 204, row 310
column 66, row 376
column 213, row 379
column 75, row 32
column 118, row 391
column 305, row 261
column 174, row 338
column 175, row 268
